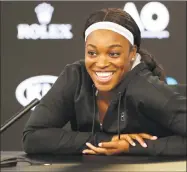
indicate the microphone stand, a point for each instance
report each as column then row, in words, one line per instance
column 19, row 115
column 9, row 162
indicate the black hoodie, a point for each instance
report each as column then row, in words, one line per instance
column 141, row 104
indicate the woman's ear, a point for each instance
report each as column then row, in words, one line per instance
column 133, row 51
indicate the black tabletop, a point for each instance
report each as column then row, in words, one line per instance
column 44, row 162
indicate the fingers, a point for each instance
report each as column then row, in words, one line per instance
column 140, row 140
column 110, row 145
column 130, row 140
column 141, row 136
column 147, row 136
column 96, row 149
column 89, row 151
column 138, row 137
column 115, row 147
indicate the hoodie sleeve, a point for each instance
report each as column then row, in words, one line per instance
column 43, row 132
column 164, row 106
column 168, row 108
column 165, row 146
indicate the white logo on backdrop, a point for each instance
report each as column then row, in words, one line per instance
column 152, row 20
column 34, row 87
column 44, row 30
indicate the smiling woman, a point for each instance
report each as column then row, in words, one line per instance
column 116, row 100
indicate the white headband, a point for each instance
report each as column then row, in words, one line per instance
column 110, row 26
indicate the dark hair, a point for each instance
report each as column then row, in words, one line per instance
column 122, row 18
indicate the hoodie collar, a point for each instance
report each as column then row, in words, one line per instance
column 128, row 77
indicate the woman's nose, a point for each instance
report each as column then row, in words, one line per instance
column 102, row 62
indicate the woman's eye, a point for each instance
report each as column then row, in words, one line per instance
column 114, row 54
column 92, row 53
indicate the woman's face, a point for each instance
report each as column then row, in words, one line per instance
column 107, row 58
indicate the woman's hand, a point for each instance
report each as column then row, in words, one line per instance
column 116, row 146
column 138, row 137
column 108, row 148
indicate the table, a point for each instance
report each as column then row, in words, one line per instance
column 83, row 163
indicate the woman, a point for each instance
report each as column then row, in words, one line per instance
column 114, row 99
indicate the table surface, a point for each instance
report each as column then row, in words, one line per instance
column 93, row 163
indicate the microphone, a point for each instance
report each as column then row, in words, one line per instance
column 19, row 115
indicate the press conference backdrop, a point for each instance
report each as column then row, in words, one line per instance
column 38, row 39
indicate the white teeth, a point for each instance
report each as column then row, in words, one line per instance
column 103, row 74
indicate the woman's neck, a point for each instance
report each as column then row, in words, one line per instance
column 105, row 96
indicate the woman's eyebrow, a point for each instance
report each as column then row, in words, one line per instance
column 110, row 46
column 92, row 45
column 114, row 45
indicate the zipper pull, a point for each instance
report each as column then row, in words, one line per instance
column 123, row 116
column 101, row 127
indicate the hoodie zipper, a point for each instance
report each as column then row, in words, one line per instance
column 97, row 114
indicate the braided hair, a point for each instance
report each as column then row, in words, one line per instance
column 122, row 18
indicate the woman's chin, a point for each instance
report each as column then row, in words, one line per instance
column 104, row 88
